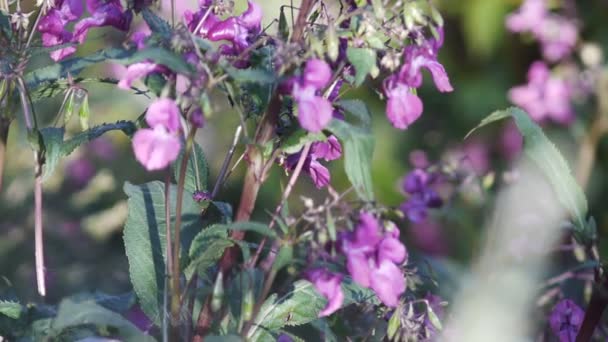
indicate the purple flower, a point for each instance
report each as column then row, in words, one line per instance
column 566, row 320
column 428, row 236
column 557, row 34
column 199, row 196
column 136, row 71
column 545, row 97
column 527, row 17
column 403, row 107
column 158, row 146
column 103, row 13
column 314, row 111
column 326, row 150
column 328, row 284
column 418, row 184
column 238, row 30
column 80, row 171
column 136, row 316
column 373, row 259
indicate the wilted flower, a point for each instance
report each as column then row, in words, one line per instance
column 158, row 146
column 545, row 97
column 566, row 320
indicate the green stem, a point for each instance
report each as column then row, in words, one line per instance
column 168, row 258
column 4, row 130
column 175, row 300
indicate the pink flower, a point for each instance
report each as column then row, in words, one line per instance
column 327, row 150
column 373, row 259
column 328, row 284
column 136, row 71
column 158, row 146
column 402, row 107
column 558, row 37
column 527, row 17
column 314, row 111
column 545, row 97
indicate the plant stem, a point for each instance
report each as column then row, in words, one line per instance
column 220, row 178
column 175, row 300
column 4, row 129
column 593, row 314
column 588, row 149
column 38, row 236
column 168, row 257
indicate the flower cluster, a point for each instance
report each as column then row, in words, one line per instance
column 53, row 25
column 557, row 34
column 372, row 260
column 158, row 146
column 546, row 96
column 566, row 320
column 314, row 111
column 327, row 150
column 239, row 31
column 403, row 107
column 418, row 184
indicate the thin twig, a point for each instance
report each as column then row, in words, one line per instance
column 220, row 179
column 168, row 257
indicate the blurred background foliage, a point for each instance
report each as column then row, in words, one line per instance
column 85, row 206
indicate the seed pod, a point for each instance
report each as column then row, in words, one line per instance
column 218, row 293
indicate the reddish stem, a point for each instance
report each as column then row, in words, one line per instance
column 4, row 128
column 38, row 236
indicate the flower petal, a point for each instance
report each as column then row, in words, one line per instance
column 155, row 148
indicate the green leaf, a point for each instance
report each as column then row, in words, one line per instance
column 296, row 141
column 73, row 66
column 71, row 315
column 250, row 226
column 197, row 170
column 358, row 153
column 160, row 56
column 145, row 240
column 364, row 61
column 258, row 76
column 206, row 249
column 156, row 24
column 10, row 309
column 547, row 157
column 52, row 137
column 358, row 109
column 127, row 127
column 299, row 306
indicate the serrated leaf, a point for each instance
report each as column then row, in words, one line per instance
column 251, row 226
column 155, row 23
column 160, row 56
column 145, row 239
column 73, row 66
column 116, row 303
column 364, row 61
column 52, row 138
column 197, row 170
column 127, row 127
column 547, row 157
column 358, row 153
column 10, row 309
column 71, row 315
column 206, row 249
column 258, row 76
column 299, row 306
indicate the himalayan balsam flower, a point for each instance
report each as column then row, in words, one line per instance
column 314, row 111
column 566, row 320
column 158, row 146
column 237, row 30
column 373, row 259
column 328, row 284
column 557, row 34
column 402, row 106
column 418, row 184
column 545, row 97
column 327, row 150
